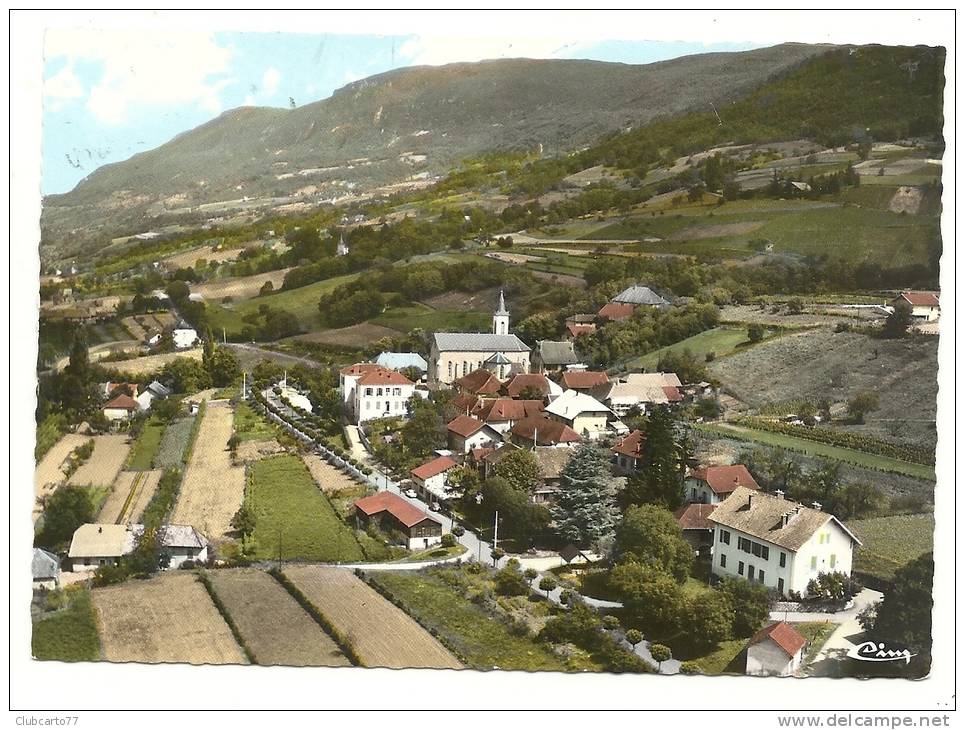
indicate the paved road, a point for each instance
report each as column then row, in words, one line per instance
column 281, row 357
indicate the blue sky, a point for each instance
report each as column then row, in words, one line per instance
column 109, row 95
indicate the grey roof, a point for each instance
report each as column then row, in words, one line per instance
column 181, row 536
column 764, row 518
column 497, row 358
column 162, row 391
column 502, row 305
column 477, row 342
column 638, row 294
column 44, row 565
column 557, row 353
column 399, row 360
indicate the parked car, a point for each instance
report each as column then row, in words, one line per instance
column 411, row 493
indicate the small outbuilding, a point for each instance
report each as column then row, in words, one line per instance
column 775, row 651
column 390, row 512
column 46, row 570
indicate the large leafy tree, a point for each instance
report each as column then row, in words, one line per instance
column 519, row 517
column 520, row 470
column 709, row 618
column 904, row 614
column 585, row 511
column 750, row 601
column 649, row 535
column 652, row 597
column 664, row 453
column 222, row 366
column 425, row 431
column 67, row 509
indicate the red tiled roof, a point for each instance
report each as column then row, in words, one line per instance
column 782, row 634
column 919, row 298
column 673, row 395
column 359, row 368
column 724, row 479
column 527, row 381
column 576, row 329
column 466, row 402
column 614, row 311
column 479, row 381
column 507, row 409
column 694, row 516
column 481, row 453
column 123, row 401
column 406, row 513
column 631, row 444
column 384, row 376
column 583, row 379
column 548, row 431
column 465, row 426
column 432, row 468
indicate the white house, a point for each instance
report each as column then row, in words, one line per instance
column 430, row 478
column 454, row 354
column 94, row 545
column 775, row 651
column 370, row 391
column 581, row 412
column 181, row 543
column 120, row 408
column 924, row 305
column 783, row 545
column 713, row 484
column 46, row 570
column 467, row 433
column 150, row 394
column 184, row 336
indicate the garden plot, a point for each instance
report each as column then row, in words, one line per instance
column 168, row 618
column 213, row 488
column 274, row 627
column 327, row 477
column 150, row 363
column 173, row 443
column 131, row 493
column 255, row 450
column 356, row 335
column 381, row 634
column 240, row 287
column 101, row 469
column 190, row 257
column 49, row 473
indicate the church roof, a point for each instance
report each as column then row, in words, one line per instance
column 477, row 342
column 502, row 311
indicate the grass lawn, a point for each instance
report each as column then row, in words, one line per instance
column 720, row 340
column 436, row 553
column 465, row 628
column 146, row 446
column 49, row 432
column 816, row 632
column 409, row 317
column 891, row 542
column 726, row 658
column 251, row 426
column 815, row 448
column 291, row 511
column 69, row 635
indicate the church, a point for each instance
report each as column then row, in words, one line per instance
column 454, row 354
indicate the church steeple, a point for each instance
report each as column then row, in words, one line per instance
column 501, row 317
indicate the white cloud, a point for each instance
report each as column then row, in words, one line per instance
column 439, row 50
column 249, row 100
column 270, row 80
column 144, row 68
column 62, row 87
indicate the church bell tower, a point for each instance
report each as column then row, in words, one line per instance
column 501, row 317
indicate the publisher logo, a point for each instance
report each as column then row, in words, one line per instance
column 876, row 651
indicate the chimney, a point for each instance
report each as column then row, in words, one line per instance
column 750, row 501
column 100, row 530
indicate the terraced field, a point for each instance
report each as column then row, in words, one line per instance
column 150, row 363
column 130, row 495
column 382, row 634
column 103, row 466
column 274, row 627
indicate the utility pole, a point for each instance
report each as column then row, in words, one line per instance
column 496, row 531
column 224, row 336
column 244, row 384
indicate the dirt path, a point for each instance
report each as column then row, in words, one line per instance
column 143, row 484
column 213, row 488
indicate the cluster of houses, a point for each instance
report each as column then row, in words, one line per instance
column 125, row 400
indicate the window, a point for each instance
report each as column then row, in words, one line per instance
column 814, row 562
column 368, row 391
column 780, row 585
column 834, row 559
column 783, row 560
column 760, row 575
column 397, row 391
column 750, row 572
column 450, row 370
column 465, row 367
column 740, row 567
column 725, row 537
column 378, row 391
column 723, row 560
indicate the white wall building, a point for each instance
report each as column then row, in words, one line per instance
column 924, row 305
column 783, row 545
column 775, row 651
column 713, row 484
column 370, row 391
column 184, row 336
column 581, row 412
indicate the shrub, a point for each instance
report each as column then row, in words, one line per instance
column 448, row 540
column 611, row 623
column 510, row 582
column 458, row 530
column 690, row 668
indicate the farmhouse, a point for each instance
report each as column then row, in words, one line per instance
column 181, row 543
column 430, row 478
column 783, row 545
column 391, row 512
column 371, row 391
column 120, row 408
column 554, row 356
column 628, row 453
column 502, row 413
column 150, row 394
column 454, row 354
column 626, row 303
column 467, row 433
column 775, row 651
column 713, row 484
column 46, row 570
column 581, row 412
column 542, row 431
column 94, row 545
column 924, row 305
